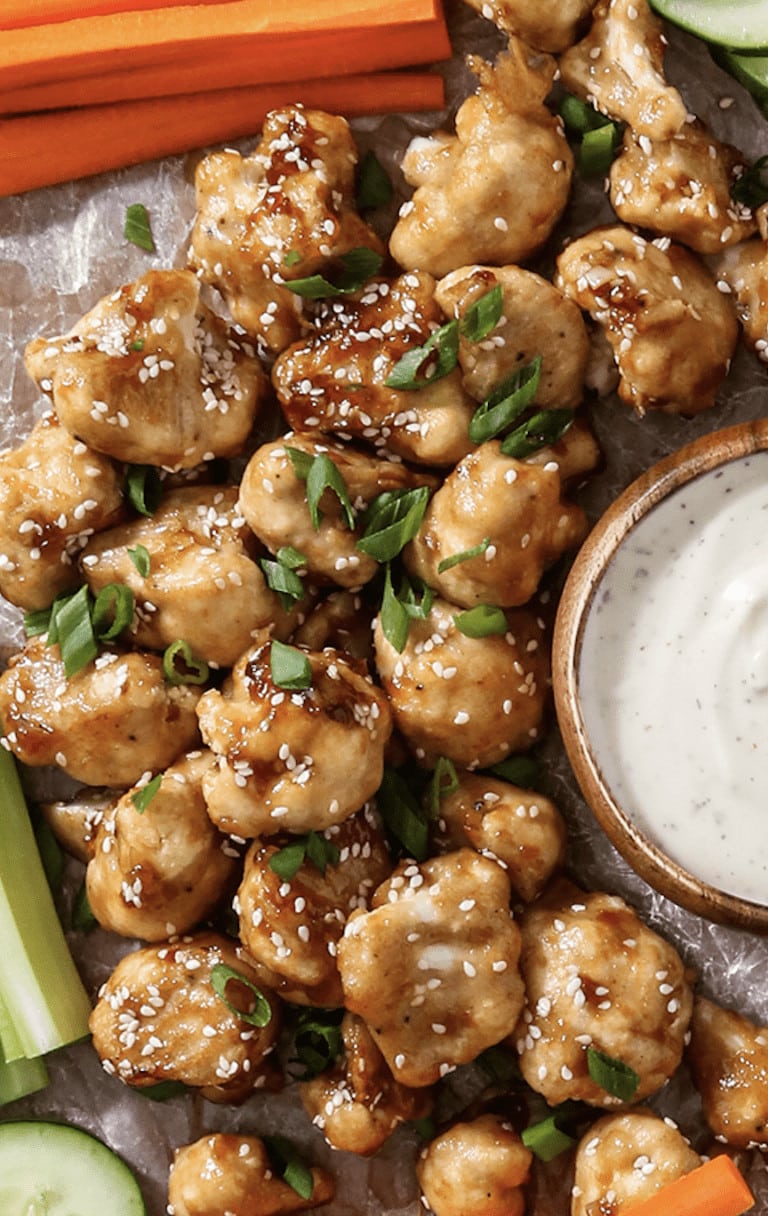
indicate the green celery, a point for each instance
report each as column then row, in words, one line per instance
column 44, row 999
column 20, row 1078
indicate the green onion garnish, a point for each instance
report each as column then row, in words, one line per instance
column 261, row 1013
column 402, row 815
column 163, row 1091
column 399, row 609
column 506, row 402
column 137, row 229
column 37, row 622
column 71, row 627
column 290, row 557
column 751, row 189
column 181, row 667
column 422, row 365
column 391, row 521
column 143, row 487
column 519, row 770
column 283, row 581
column 546, row 1139
column 320, row 474
column 598, row 149
column 112, row 611
column 141, row 798
column 374, row 188
column 290, row 668
column 355, row 268
column 292, row 258
column 313, row 846
column 139, row 555
column 466, row 555
column 483, row 315
column 286, row 1162
column 614, row 1076
column 443, row 783
column 482, row 621
column 318, row 1040
column 537, row 432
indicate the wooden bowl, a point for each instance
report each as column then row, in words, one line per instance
column 591, row 564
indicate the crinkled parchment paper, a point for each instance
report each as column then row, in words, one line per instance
column 60, row 250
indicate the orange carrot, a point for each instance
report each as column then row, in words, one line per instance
column 61, row 145
column 19, row 14
column 714, row 1189
column 292, row 39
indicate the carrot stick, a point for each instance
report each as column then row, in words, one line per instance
column 292, row 39
column 714, row 1189
column 61, row 145
column 19, row 14
column 251, row 61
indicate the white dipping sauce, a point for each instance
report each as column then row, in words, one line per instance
column 673, row 676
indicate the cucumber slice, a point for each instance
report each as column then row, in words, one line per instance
column 750, row 70
column 741, row 24
column 52, row 1169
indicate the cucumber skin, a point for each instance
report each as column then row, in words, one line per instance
column 71, row 1164
column 739, row 24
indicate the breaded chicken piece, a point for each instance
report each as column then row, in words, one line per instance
column 513, row 511
column 475, row 1168
column 672, row 332
column 291, row 926
column 597, row 977
column 432, row 968
column 162, row 870
column 285, row 212
column 54, row 494
column 536, row 319
column 548, row 25
column 728, row 1055
column 160, row 1018
column 294, row 761
column 108, row 724
column 335, row 380
column 357, row 1103
column 624, row 1159
column 473, row 700
column 233, row 1174
column 522, row 830
column 473, row 201
column 203, row 583
column 340, row 620
column 619, row 68
column 743, row 273
column 74, row 820
column 681, row 188
column 151, row 376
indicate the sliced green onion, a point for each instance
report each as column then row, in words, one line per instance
column 751, row 189
column 318, row 1040
column 519, row 770
column 399, row 609
column 72, row 629
column 356, row 267
column 466, row 555
column 313, row 846
column 290, row 668
column 482, row 316
column 614, row 1076
column 537, row 432
column 82, row 917
column 163, row 1091
column 402, row 815
column 137, row 229
column 391, row 521
column 546, row 1139
column 320, row 474
column 506, row 402
column 444, row 782
column 292, row 258
column 286, row 1162
column 112, row 612
column 139, row 555
column 290, row 557
column 482, row 621
column 598, row 149
column 37, row 622
column 579, row 116
column 138, row 344
column 283, row 581
column 143, row 487
column 141, row 798
column 423, row 365
column 181, row 667
column 374, row 188
column 321, row 852
column 223, row 975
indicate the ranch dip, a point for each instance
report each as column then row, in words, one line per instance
column 673, row 676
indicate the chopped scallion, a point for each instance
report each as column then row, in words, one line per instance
column 317, row 1040
column 181, row 667
column 354, row 269
column 71, row 627
column 443, row 783
column 374, row 188
column 466, row 555
column 506, row 403
column 284, row 581
column 402, row 815
column 112, row 612
column 261, row 1012
column 483, row 315
column 139, row 555
column 143, row 488
column 142, row 797
column 422, row 365
column 539, row 431
column 546, row 1139
column 614, row 1076
column 519, row 770
column 482, row 621
column 290, row 668
column 320, row 474
column 751, row 189
column 313, row 847
column 137, row 229
column 391, row 521
column 286, row 1161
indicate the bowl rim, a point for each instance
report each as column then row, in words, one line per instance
column 640, row 497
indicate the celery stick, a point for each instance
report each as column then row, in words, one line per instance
column 20, row 1078
column 40, row 989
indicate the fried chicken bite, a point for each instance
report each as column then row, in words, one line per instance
column 548, row 25
column 357, row 1103
column 273, row 500
column 728, row 1056
column 159, row 1018
column 472, row 203
column 743, row 273
column 283, row 213
column 681, row 188
column 294, row 761
column 162, row 870
column 597, row 977
column 433, row 967
column 54, row 494
column 233, row 1174
column 291, row 926
column 625, row 1158
column 74, row 820
column 472, row 700
column 335, row 380
column 512, row 511
column 108, row 724
column 536, row 319
column 340, row 620
column 673, row 334
column 523, row 831
column 475, row 1168
column 151, row 376
column 619, row 68
column 202, row 583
